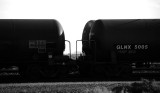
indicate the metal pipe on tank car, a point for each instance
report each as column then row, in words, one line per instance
column 69, row 47
column 87, row 41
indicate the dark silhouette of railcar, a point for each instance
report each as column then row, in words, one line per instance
column 111, row 48
column 35, row 46
column 121, row 47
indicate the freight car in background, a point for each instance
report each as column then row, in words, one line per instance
column 121, row 47
column 35, row 46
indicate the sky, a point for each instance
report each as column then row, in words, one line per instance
column 74, row 14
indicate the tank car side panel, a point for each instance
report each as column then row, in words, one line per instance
column 135, row 40
column 36, row 31
column 25, row 39
column 126, row 34
column 6, row 40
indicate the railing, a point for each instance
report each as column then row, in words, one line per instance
column 69, row 47
column 89, row 45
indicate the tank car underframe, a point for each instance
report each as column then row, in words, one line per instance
column 45, row 69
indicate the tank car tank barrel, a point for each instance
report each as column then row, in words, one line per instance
column 32, row 44
column 119, row 43
column 133, row 37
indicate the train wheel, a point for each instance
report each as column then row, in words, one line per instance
column 113, row 71
column 22, row 71
column 118, row 71
column 126, row 73
column 98, row 71
column 84, row 71
column 51, row 71
column 34, row 71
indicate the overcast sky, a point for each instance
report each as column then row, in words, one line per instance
column 73, row 14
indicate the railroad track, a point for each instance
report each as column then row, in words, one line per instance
column 15, row 84
column 69, row 87
column 60, row 87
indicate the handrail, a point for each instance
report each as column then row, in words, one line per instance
column 87, row 41
column 69, row 47
column 76, row 47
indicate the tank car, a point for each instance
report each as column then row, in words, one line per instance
column 35, row 46
column 123, row 47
